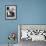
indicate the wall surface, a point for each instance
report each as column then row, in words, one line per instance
column 33, row 27
column 28, row 12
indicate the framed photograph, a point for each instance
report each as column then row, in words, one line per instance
column 33, row 32
column 10, row 12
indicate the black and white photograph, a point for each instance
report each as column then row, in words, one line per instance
column 31, row 34
column 10, row 12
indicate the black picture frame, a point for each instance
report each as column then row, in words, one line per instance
column 10, row 12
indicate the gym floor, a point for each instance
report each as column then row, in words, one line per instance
column 32, row 43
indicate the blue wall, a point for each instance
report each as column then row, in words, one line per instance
column 28, row 12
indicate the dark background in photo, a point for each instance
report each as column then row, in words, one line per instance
column 11, row 13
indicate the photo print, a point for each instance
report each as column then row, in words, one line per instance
column 10, row 12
